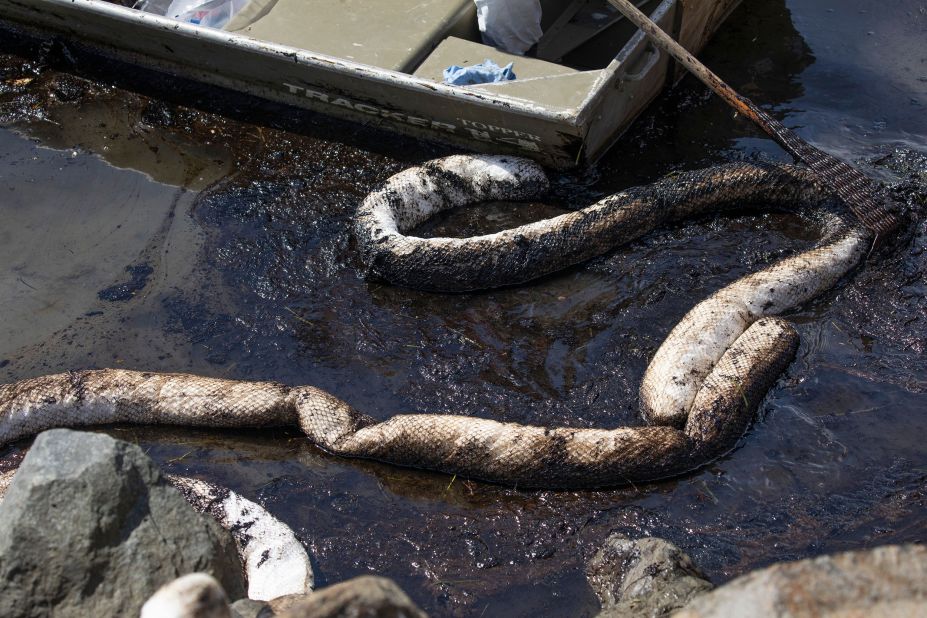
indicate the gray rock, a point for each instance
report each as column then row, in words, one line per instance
column 361, row 597
column 88, row 527
column 882, row 582
column 646, row 577
column 281, row 604
column 248, row 608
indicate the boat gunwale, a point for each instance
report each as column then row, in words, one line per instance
column 575, row 117
column 614, row 71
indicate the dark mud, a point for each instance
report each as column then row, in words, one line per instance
column 244, row 219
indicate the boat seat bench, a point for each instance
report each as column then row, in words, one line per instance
column 394, row 34
column 543, row 83
column 454, row 50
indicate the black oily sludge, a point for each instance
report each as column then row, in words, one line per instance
column 698, row 393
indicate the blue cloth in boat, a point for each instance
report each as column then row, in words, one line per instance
column 486, row 72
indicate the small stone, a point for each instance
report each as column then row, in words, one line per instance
column 89, row 527
column 361, row 597
column 644, row 577
column 882, row 582
column 282, row 604
column 196, row 595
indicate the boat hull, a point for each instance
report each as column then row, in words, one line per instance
column 478, row 119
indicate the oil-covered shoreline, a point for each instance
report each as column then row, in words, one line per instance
column 148, row 234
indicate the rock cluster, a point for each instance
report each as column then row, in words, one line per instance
column 652, row 577
column 644, row 577
column 885, row 581
column 90, row 527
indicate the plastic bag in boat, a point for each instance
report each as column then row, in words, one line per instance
column 210, row 13
column 510, row 25
column 487, row 72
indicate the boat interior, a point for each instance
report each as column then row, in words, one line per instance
column 423, row 37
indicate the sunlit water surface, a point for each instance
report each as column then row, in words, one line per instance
column 146, row 234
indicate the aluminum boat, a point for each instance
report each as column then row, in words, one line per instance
column 382, row 62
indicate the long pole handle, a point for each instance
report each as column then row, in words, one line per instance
column 855, row 188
